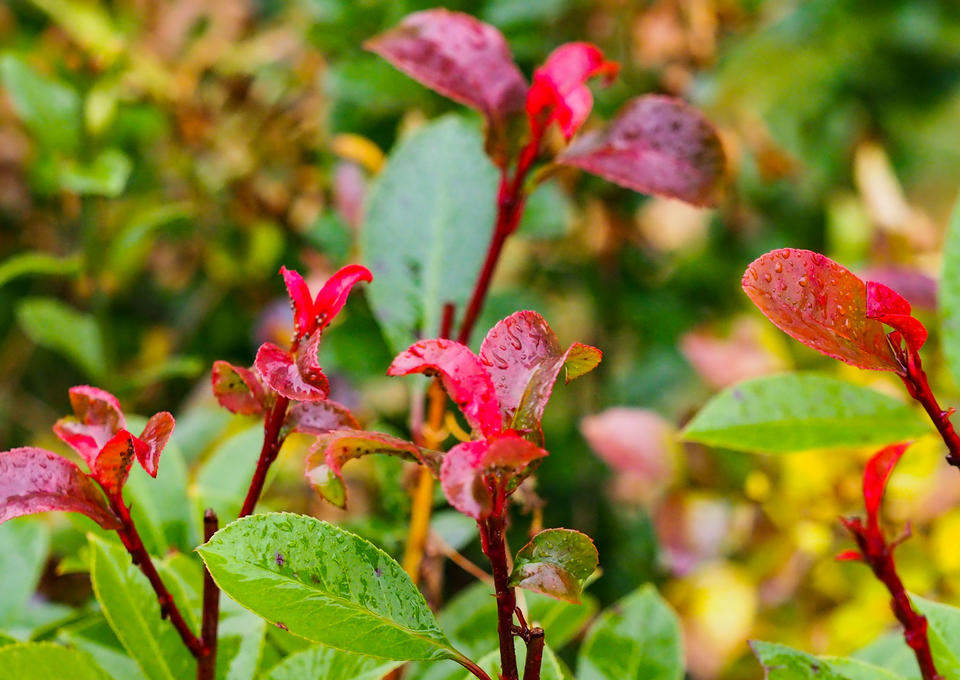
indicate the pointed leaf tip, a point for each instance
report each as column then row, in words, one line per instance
column 153, row 439
column 556, row 562
column 237, row 389
column 278, row 370
column 888, row 306
column 877, row 474
column 97, row 417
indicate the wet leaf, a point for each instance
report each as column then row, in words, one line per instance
column 279, row 371
column 555, row 562
column 656, row 145
column 459, row 57
column 888, row 306
column 97, row 418
column 33, row 480
column 237, row 389
column 325, row 584
column 816, row 301
column 318, row 417
column 112, row 465
column 329, row 664
column 798, row 412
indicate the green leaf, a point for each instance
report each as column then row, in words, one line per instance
column 551, row 669
column 548, row 213
column 88, row 23
column 638, row 638
column 943, row 631
column 428, row 222
column 949, row 295
column 50, row 109
column 94, row 636
column 106, row 175
column 130, row 247
column 785, row 663
column 324, row 584
column 62, row 329
column 160, row 506
column 791, row 412
column 890, row 651
column 130, row 607
column 47, row 661
column 37, row 262
column 329, row 664
column 223, row 479
column 555, row 562
column 7, row 640
column 24, row 545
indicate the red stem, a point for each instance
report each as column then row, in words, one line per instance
column 534, row 640
column 494, row 547
column 268, row 453
column 138, row 553
column 918, row 386
column 879, row 555
column 207, row 664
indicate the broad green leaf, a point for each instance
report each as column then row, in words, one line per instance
column 94, row 636
column 785, row 663
column 222, row 481
column 548, row 213
column 790, row 412
column 943, row 631
column 50, row 109
column 638, row 638
column 324, row 663
column 555, row 562
column 890, row 651
column 130, row 607
column 106, row 175
column 7, row 640
column 551, row 669
column 855, row 669
column 47, row 661
column 324, row 584
column 129, row 249
column 62, row 329
column 37, row 262
column 949, row 295
column 428, row 222
column 24, row 545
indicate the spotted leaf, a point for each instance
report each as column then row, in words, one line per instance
column 555, row 562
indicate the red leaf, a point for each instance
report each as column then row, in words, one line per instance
column 97, row 418
column 816, row 301
column 332, row 450
column 33, row 480
column 875, row 476
column 237, row 389
column 300, row 300
column 463, row 376
column 656, row 145
column 850, row 556
column 278, row 370
column 318, row 417
column 333, row 296
column 888, row 306
column 308, row 365
column 559, row 93
column 459, row 57
column 156, row 433
column 523, row 357
column 112, row 465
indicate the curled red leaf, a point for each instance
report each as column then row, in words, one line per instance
column 279, row 371
column 300, row 300
column 459, row 57
column 656, row 145
column 156, row 433
column 310, row 315
column 818, row 302
column 97, row 417
column 463, row 376
column 875, row 477
column 111, row 467
column 237, row 389
column 888, row 306
column 559, row 93
column 318, row 417
column 34, row 480
column 850, row 556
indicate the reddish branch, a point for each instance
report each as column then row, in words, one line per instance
column 915, row 379
column 207, row 664
column 878, row 553
column 272, row 426
column 492, row 540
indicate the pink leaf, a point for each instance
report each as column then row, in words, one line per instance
column 308, row 365
column 875, row 476
column 279, row 371
column 97, row 418
column 559, row 93
column 459, row 57
column 888, row 306
column 33, row 480
column 850, row 556
column 463, row 376
column 318, row 417
column 332, row 450
column 112, row 465
column 237, row 389
column 724, row 361
column 656, row 145
column 524, row 358
column 333, row 296
column 300, row 300
column 816, row 301
column 153, row 439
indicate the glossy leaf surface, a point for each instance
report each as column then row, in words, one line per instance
column 48, row 661
column 789, row 412
column 112, row 465
column 638, row 638
column 325, row 584
column 329, row 664
column 34, row 480
column 237, row 389
column 784, row 663
column 318, row 417
column 279, row 370
column 156, row 433
column 656, row 145
column 876, row 474
column 555, row 562
column 943, row 631
column 816, row 301
column 97, row 418
column 459, row 57
column 887, row 305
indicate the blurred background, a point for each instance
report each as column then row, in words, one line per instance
column 160, row 159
